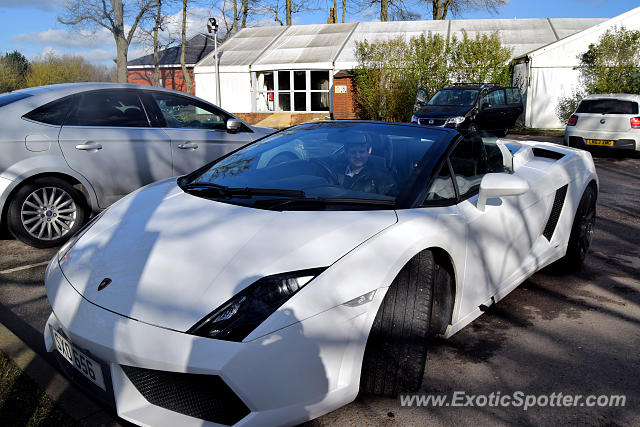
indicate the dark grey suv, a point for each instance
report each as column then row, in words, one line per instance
column 470, row 107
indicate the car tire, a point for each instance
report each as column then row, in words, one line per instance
column 581, row 232
column 396, row 350
column 45, row 212
column 472, row 128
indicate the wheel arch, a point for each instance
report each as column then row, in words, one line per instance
column 444, row 292
column 78, row 182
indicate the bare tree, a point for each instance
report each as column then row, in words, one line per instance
column 156, row 56
column 185, row 72
column 396, row 7
column 288, row 9
column 442, row 7
column 111, row 15
column 245, row 12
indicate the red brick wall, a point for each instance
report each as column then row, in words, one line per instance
column 343, row 104
column 172, row 78
column 252, row 118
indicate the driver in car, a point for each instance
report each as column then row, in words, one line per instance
column 364, row 172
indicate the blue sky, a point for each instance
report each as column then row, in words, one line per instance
column 31, row 27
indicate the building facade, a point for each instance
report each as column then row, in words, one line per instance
column 141, row 70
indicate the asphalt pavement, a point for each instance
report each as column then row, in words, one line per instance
column 575, row 334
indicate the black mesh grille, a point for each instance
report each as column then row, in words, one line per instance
column 205, row 397
column 558, row 202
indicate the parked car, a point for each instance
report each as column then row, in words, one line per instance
column 271, row 286
column 611, row 120
column 67, row 150
column 470, row 107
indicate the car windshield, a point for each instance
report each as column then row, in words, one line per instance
column 454, row 97
column 607, row 106
column 330, row 165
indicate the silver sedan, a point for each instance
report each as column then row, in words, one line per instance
column 69, row 150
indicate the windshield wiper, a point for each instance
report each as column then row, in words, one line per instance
column 323, row 201
column 248, row 192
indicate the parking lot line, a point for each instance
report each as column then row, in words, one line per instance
column 24, row 267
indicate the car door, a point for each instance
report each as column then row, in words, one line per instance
column 107, row 138
column 514, row 106
column 497, row 238
column 197, row 130
column 493, row 110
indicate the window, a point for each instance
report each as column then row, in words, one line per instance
column 320, row 91
column 495, row 98
column 53, row 113
column 474, row 157
column 454, row 97
column 607, row 106
column 513, row 95
column 182, row 112
column 442, row 189
column 118, row 108
column 293, row 90
column 265, row 92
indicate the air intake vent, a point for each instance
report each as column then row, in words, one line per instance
column 549, row 154
column 206, row 397
column 556, row 209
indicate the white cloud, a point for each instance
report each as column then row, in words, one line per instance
column 66, row 38
column 102, row 56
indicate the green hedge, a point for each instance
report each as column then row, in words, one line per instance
column 389, row 73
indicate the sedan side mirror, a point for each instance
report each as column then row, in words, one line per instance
column 233, row 125
column 499, row 185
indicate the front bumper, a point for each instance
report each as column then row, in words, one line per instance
column 621, row 140
column 291, row 375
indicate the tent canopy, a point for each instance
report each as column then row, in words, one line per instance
column 332, row 46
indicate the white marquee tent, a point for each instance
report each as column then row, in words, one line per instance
column 273, row 69
column 548, row 73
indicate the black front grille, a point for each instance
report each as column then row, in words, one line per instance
column 432, row 122
column 205, row 397
column 556, row 209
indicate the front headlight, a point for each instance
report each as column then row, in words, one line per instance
column 64, row 249
column 238, row 317
column 455, row 120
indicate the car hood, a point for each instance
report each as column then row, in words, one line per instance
column 173, row 257
column 442, row 111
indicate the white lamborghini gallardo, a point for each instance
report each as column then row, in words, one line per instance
column 276, row 283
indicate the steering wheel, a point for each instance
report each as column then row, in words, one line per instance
column 329, row 175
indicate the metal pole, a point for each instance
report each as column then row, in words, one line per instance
column 212, row 26
column 215, row 44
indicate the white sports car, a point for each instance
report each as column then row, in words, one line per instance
column 273, row 285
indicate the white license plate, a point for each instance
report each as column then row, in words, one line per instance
column 83, row 363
